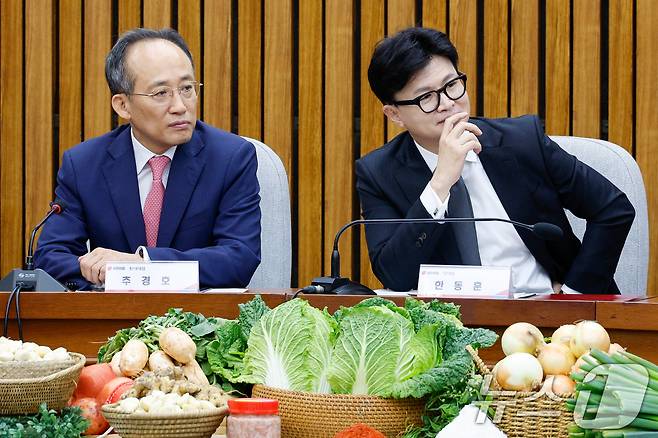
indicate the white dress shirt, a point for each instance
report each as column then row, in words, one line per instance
column 499, row 243
column 145, row 176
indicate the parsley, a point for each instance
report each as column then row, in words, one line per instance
column 46, row 424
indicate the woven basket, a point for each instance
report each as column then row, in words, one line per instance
column 200, row 424
column 526, row 414
column 20, row 396
column 305, row 415
column 32, row 369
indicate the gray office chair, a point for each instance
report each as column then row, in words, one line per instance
column 620, row 168
column 276, row 248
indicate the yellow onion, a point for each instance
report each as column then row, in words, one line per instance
column 521, row 337
column 559, row 385
column 614, row 348
column 518, row 372
column 556, row 358
column 563, row 334
column 588, row 335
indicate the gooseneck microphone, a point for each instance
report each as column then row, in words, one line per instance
column 29, row 279
column 344, row 286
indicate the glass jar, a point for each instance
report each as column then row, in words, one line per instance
column 253, row 417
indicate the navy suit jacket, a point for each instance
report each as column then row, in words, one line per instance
column 210, row 213
column 535, row 180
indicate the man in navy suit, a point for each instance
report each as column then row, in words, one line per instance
column 448, row 164
column 165, row 186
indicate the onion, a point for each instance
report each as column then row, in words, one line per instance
column 521, row 337
column 518, row 372
column 614, row 348
column 579, row 362
column 563, row 334
column 559, row 385
column 588, row 335
column 556, row 358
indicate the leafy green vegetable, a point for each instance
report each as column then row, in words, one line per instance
column 284, row 344
column 45, row 424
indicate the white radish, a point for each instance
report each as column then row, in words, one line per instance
column 115, row 364
column 159, row 361
column 134, row 356
column 193, row 372
column 177, row 344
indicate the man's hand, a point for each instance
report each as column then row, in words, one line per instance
column 92, row 265
column 557, row 287
column 458, row 137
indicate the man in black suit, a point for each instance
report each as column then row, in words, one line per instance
column 447, row 164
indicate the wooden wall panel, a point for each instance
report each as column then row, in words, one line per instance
column 130, row 15
column 646, row 120
column 338, row 128
column 309, row 142
column 11, row 135
column 620, row 73
column 372, row 117
column 70, row 75
column 278, row 86
column 587, row 68
column 157, row 13
column 557, row 92
column 217, row 64
column 525, row 57
column 249, row 66
column 435, row 14
column 39, row 88
column 97, row 43
column 463, row 34
column 401, row 14
column 189, row 26
column 495, row 58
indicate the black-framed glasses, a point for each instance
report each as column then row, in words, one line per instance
column 189, row 90
column 453, row 89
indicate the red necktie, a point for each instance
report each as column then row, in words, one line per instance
column 153, row 204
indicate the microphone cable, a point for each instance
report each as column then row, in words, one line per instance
column 15, row 293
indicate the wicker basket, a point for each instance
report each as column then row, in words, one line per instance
column 305, row 415
column 24, row 395
column 200, row 424
column 526, row 414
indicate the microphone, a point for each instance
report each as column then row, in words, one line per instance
column 344, row 286
column 56, row 207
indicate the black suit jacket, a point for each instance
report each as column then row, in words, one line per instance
column 535, row 180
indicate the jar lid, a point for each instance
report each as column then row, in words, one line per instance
column 253, row 406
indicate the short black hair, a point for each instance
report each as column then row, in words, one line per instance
column 397, row 58
column 118, row 77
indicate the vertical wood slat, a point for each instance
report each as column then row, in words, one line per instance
column 558, row 107
column 525, row 59
column 495, row 58
column 249, row 66
column 277, row 99
column 97, row 43
column 620, row 73
column 338, row 123
column 401, row 14
column 435, row 14
column 586, row 68
column 372, row 118
column 309, row 140
column 11, row 135
column 189, row 26
column 463, row 34
column 39, row 46
column 157, row 13
column 70, row 75
column 646, row 127
column 130, row 14
column 217, row 64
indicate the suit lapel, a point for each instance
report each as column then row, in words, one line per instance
column 121, row 178
column 413, row 174
column 186, row 168
column 506, row 178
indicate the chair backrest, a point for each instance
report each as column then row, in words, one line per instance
column 620, row 168
column 275, row 267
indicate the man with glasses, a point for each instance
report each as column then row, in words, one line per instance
column 447, row 164
column 164, row 186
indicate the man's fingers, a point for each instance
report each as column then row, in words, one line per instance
column 462, row 127
column 449, row 123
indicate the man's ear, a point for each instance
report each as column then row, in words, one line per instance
column 393, row 114
column 121, row 106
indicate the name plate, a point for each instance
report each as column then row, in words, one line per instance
column 154, row 275
column 485, row 281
